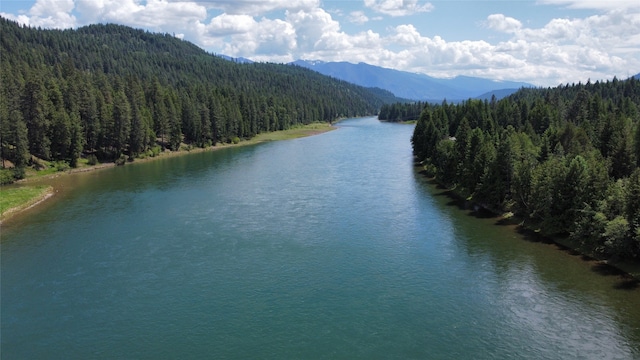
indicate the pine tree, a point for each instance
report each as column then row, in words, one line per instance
column 35, row 108
column 17, row 140
column 120, row 132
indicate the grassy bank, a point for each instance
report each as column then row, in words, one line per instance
column 293, row 133
column 16, row 199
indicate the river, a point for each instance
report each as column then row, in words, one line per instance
column 331, row 246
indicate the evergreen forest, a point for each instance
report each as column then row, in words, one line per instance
column 111, row 93
column 565, row 160
column 401, row 111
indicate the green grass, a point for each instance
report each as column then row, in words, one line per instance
column 21, row 197
column 293, row 133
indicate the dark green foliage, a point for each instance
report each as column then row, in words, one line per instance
column 92, row 159
column 564, row 159
column 112, row 91
column 401, row 111
column 6, row 176
column 16, row 140
column 36, row 111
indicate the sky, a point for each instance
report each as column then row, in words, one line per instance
column 543, row 42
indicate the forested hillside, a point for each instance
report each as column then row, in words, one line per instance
column 108, row 92
column 565, row 159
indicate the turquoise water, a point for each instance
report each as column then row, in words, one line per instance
column 331, row 246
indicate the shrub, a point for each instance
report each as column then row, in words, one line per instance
column 61, row 166
column 6, row 176
column 19, row 173
column 121, row 160
column 155, row 151
column 92, row 160
column 616, row 233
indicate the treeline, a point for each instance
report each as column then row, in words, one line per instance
column 564, row 159
column 110, row 92
column 401, row 111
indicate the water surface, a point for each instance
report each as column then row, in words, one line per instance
column 331, row 246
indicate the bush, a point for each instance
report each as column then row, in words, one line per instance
column 618, row 242
column 430, row 170
column 235, row 140
column 92, row 160
column 6, row 176
column 61, row 166
column 155, row 151
column 19, row 173
column 121, row 160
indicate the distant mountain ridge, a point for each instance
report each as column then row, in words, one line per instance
column 238, row 60
column 411, row 85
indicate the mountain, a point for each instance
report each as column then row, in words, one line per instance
column 410, row 85
column 238, row 60
column 499, row 94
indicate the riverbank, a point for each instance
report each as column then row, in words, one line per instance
column 17, row 198
column 628, row 272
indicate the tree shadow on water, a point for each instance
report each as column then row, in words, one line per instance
column 628, row 284
column 482, row 213
column 625, row 281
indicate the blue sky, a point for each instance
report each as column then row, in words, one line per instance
column 544, row 42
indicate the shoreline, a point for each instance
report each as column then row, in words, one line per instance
column 289, row 134
column 629, row 272
column 30, row 203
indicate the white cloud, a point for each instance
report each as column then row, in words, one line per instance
column 407, row 35
column 159, row 14
column 268, row 38
column 107, row 10
column 225, row 24
column 48, row 14
column 398, row 7
column 599, row 46
column 358, row 17
column 48, row 7
column 503, row 23
column 311, row 27
column 593, row 4
column 259, row 7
